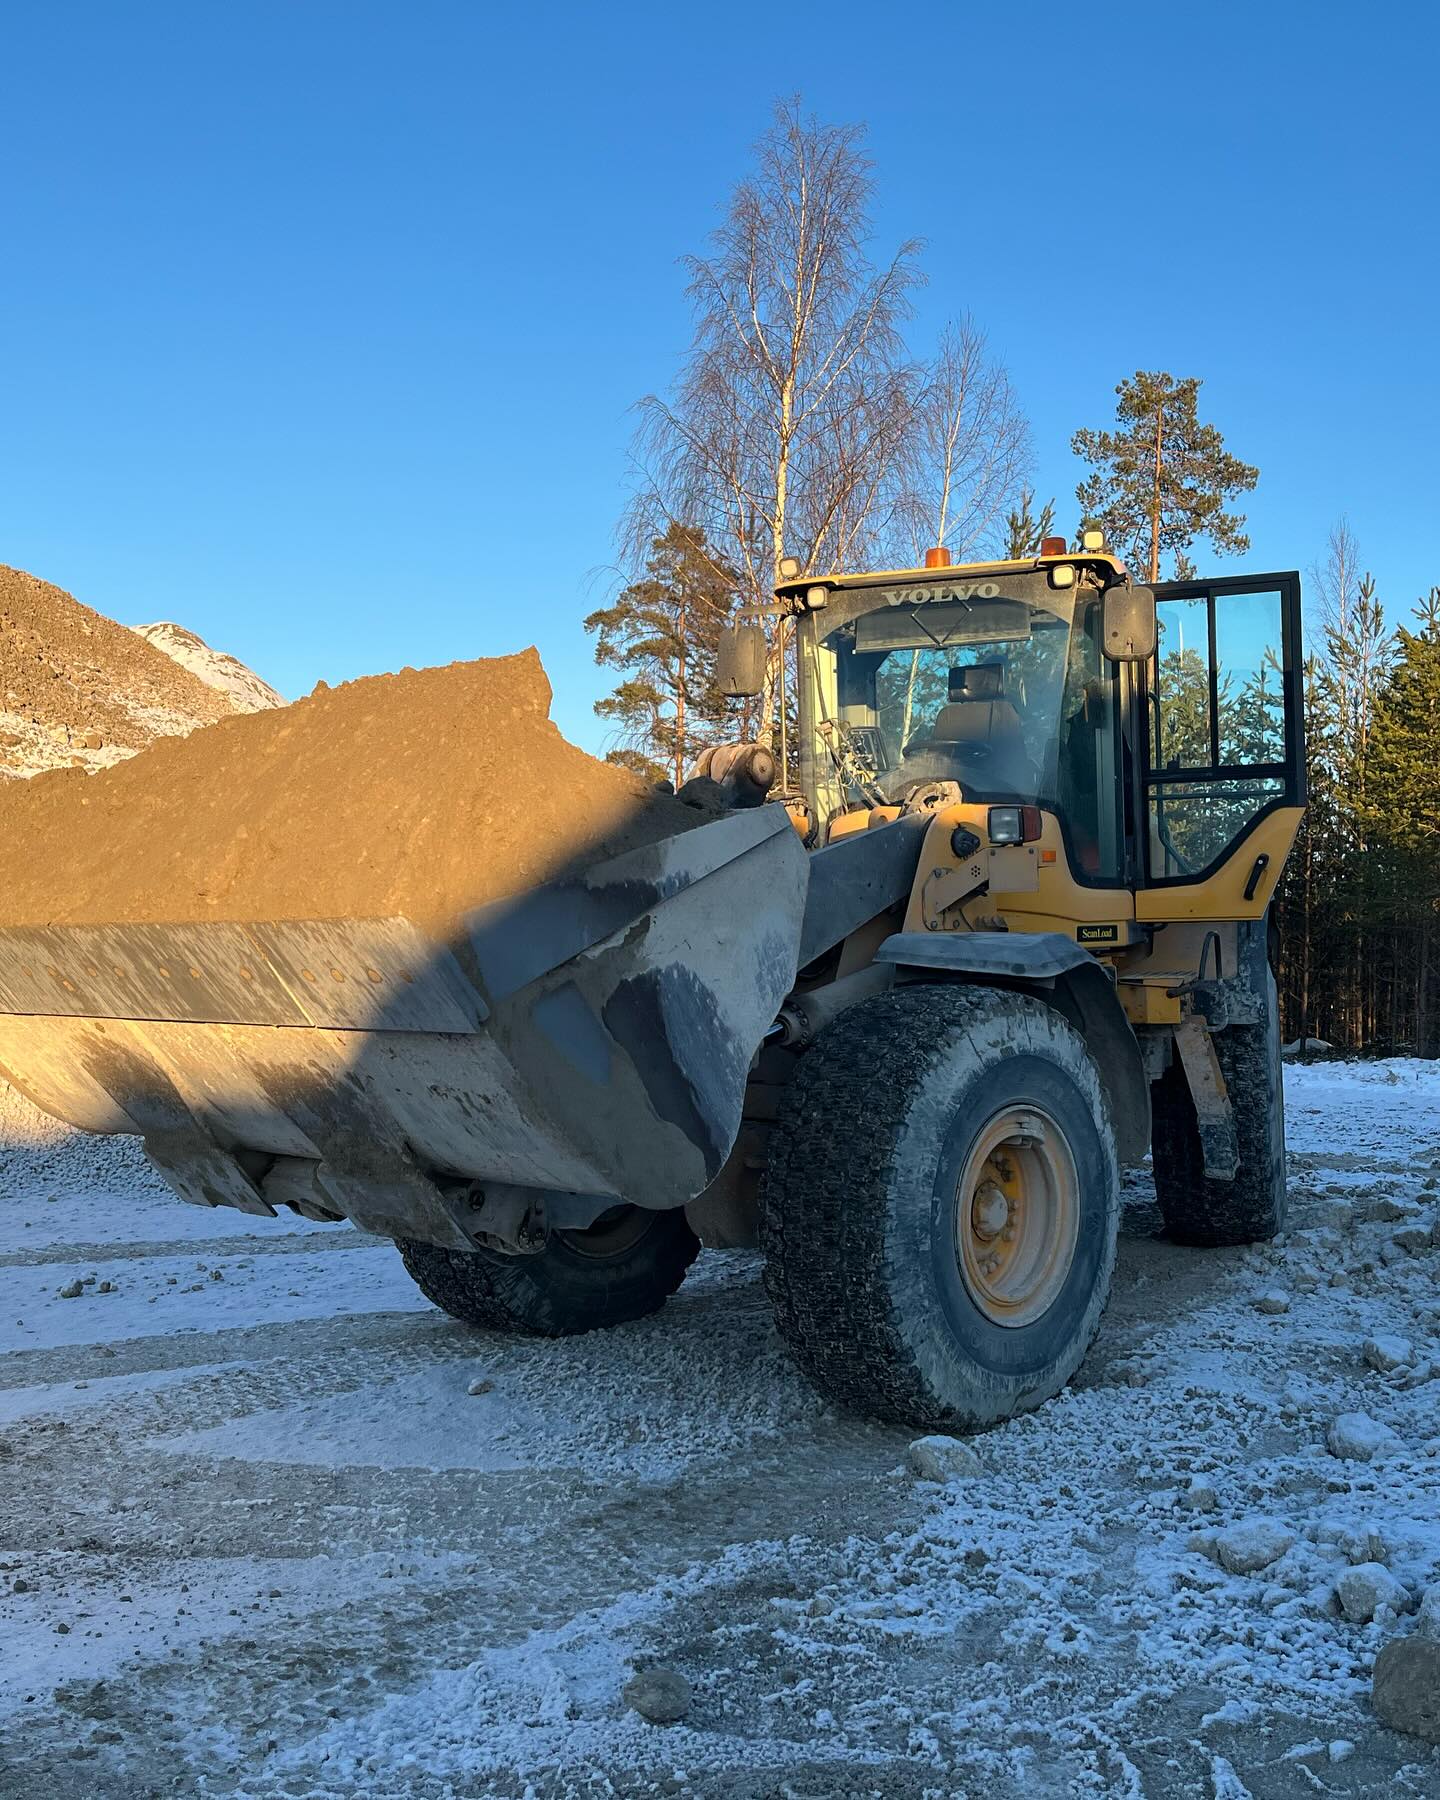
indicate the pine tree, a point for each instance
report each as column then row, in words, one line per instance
column 1024, row 529
column 661, row 634
column 1162, row 479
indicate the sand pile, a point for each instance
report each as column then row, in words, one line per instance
column 423, row 794
column 77, row 690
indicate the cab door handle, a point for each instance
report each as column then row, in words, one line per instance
column 1262, row 863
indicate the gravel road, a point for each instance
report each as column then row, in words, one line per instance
column 258, row 1537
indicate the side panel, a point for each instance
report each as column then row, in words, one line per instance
column 1254, row 864
column 969, row 894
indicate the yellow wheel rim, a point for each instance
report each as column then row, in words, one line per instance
column 1017, row 1215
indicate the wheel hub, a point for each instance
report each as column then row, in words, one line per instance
column 614, row 1233
column 990, row 1212
column 1017, row 1206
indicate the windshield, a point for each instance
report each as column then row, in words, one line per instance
column 997, row 685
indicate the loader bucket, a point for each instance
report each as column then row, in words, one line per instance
column 587, row 1041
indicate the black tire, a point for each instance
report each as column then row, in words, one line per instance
column 860, row 1217
column 1251, row 1208
column 625, row 1266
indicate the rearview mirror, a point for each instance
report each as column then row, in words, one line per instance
column 740, row 658
column 1127, row 623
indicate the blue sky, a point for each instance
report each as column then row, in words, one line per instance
column 321, row 323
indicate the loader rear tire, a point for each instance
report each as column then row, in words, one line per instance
column 623, row 1267
column 1251, row 1208
column 921, row 1127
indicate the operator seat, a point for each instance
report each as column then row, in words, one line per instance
column 976, row 737
column 978, row 712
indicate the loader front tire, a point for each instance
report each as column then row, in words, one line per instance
column 623, row 1267
column 940, row 1208
column 1251, row 1208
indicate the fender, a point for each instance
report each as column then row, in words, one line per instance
column 1064, row 975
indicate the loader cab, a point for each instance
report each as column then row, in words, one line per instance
column 994, row 685
column 988, row 683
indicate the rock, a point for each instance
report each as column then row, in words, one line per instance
column 482, row 1384
column 1387, row 1353
column 1356, row 1437
column 1363, row 1590
column 1412, row 1238
column 1427, row 1623
column 660, row 1695
column 72, row 1290
column 1252, row 1544
column 1406, row 1691
column 1388, row 1211
column 1200, row 1496
column 107, row 1287
column 1273, row 1300
column 943, row 1459
column 1435, row 1231
column 1366, row 1543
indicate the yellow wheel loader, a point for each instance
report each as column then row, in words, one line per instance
column 902, row 1026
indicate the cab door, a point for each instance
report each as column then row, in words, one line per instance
column 1223, row 781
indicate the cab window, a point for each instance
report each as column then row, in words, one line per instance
column 1221, row 745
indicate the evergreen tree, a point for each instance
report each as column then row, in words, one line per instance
column 1252, row 726
column 1403, row 819
column 1359, row 899
column 661, row 634
column 1162, row 479
column 1404, row 749
column 1025, row 529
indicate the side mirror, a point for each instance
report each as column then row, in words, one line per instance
column 1127, row 623
column 740, row 659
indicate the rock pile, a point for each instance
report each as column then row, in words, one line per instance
column 79, row 691
column 243, row 688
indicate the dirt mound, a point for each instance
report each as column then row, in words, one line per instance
column 77, row 690
column 239, row 683
column 424, row 793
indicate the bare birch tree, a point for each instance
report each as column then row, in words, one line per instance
column 967, row 448
column 1338, row 580
column 964, row 458
column 793, row 392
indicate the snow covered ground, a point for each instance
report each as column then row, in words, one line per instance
column 257, row 1538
